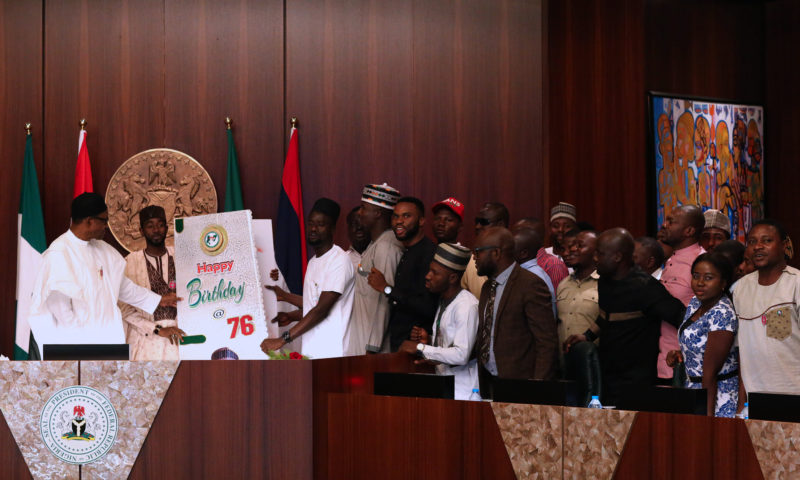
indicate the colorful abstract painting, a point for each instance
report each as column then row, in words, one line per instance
column 708, row 153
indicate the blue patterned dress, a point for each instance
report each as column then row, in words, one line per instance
column 693, row 337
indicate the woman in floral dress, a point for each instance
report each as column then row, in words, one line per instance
column 707, row 333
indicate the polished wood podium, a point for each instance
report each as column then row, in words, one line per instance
column 319, row 419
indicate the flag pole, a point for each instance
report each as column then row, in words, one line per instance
column 228, row 123
column 28, row 128
column 83, row 123
column 293, row 122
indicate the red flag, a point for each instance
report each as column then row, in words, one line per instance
column 290, row 238
column 83, row 170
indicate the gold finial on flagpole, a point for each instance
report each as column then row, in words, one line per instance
column 228, row 122
column 294, row 122
column 83, row 124
column 28, row 128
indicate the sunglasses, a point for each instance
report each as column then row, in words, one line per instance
column 482, row 221
column 477, row 250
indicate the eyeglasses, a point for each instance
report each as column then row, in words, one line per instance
column 482, row 221
column 104, row 220
column 477, row 250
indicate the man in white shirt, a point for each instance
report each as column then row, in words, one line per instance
column 455, row 325
column 327, row 299
column 767, row 303
column 80, row 281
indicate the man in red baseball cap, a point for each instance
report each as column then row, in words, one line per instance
column 448, row 216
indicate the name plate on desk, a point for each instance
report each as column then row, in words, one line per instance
column 218, row 279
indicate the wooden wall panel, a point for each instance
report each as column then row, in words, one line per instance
column 104, row 61
column 225, row 58
column 422, row 438
column 707, row 48
column 478, row 104
column 254, row 419
column 435, row 98
column 354, row 375
column 688, row 447
column 781, row 120
column 596, row 111
column 20, row 103
column 349, row 81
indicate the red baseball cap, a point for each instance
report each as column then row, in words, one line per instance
column 453, row 204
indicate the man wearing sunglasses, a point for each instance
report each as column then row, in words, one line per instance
column 517, row 335
column 492, row 214
column 81, row 278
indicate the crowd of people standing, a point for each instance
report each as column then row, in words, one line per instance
column 692, row 307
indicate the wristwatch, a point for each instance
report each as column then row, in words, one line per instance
column 158, row 328
column 287, row 337
column 387, row 290
column 420, row 349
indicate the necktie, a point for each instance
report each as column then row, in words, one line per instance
column 488, row 323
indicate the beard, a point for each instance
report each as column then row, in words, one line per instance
column 154, row 242
column 410, row 233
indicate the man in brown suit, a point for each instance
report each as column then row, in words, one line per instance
column 517, row 335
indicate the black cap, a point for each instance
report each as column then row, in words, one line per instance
column 87, row 205
column 151, row 211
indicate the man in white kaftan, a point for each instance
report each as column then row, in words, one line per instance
column 370, row 316
column 153, row 336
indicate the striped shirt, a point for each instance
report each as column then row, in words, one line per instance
column 553, row 266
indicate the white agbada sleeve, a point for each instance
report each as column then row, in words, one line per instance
column 137, row 296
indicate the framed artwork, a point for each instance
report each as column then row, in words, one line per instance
column 706, row 152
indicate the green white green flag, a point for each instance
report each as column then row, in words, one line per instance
column 30, row 246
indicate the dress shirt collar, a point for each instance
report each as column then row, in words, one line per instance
column 657, row 274
column 503, row 277
column 530, row 263
column 592, row 276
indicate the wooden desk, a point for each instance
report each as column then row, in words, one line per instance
column 318, row 419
